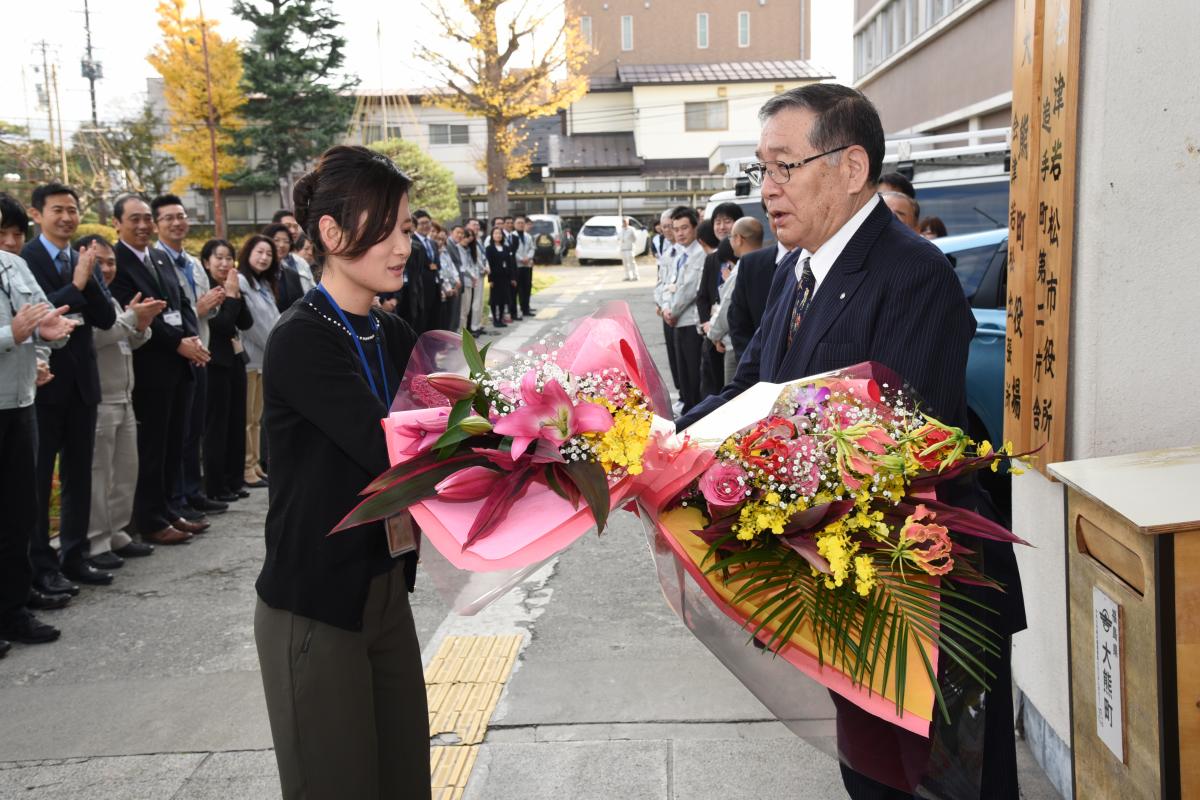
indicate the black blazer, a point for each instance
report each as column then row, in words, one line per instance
column 289, row 290
column 233, row 316
column 74, row 364
column 157, row 361
column 421, row 298
column 710, row 279
column 890, row 297
column 323, row 428
column 749, row 299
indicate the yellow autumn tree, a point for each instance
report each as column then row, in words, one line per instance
column 515, row 72
column 179, row 59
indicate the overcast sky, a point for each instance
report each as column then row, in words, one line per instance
column 124, row 31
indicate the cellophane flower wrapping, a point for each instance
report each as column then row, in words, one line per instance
column 601, row 350
column 824, row 479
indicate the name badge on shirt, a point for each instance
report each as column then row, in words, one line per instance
column 125, row 347
column 173, row 318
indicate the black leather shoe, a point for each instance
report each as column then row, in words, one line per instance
column 135, row 550
column 529, row 313
column 186, row 512
column 83, row 572
column 228, row 497
column 40, row 601
column 261, row 483
column 54, row 583
column 202, row 503
column 24, row 627
column 242, row 494
column 107, row 561
column 4, row 648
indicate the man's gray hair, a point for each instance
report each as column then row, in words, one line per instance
column 844, row 117
column 665, row 217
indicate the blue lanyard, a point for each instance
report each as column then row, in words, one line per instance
column 362, row 355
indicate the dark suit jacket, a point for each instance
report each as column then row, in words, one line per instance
column 73, row 365
column 157, row 361
column 749, row 300
column 890, row 297
column 290, row 289
column 421, row 298
column 710, row 278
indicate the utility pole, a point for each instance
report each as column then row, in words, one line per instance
column 218, row 211
column 91, row 68
column 44, row 46
column 62, row 145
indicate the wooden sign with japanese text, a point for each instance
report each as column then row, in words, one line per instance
column 1022, row 196
column 1041, row 227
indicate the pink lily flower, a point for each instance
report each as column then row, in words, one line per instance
column 550, row 415
column 453, row 386
column 415, row 431
column 472, row 483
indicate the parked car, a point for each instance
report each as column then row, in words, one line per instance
column 548, row 240
column 599, row 239
column 965, row 204
column 981, row 263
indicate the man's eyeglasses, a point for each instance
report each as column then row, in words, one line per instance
column 781, row 171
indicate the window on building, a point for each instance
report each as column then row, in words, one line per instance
column 626, row 33
column 743, row 29
column 894, row 25
column 702, row 31
column 585, row 29
column 709, row 116
column 448, row 134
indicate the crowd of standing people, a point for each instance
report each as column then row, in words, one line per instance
column 133, row 372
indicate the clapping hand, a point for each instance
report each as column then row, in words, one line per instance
column 195, row 352
column 54, row 326
column 146, row 310
column 44, row 375
column 232, row 289
column 25, row 321
column 209, row 300
column 83, row 267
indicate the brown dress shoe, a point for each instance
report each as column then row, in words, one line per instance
column 200, row 526
column 168, row 535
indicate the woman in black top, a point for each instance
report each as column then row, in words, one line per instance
column 502, row 261
column 340, row 659
column 225, row 411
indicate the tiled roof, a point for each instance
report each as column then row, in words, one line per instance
column 726, row 72
column 593, row 151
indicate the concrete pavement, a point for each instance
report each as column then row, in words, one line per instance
column 154, row 689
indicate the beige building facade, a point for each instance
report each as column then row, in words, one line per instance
column 628, row 32
column 935, row 66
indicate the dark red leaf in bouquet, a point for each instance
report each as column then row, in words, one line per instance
column 814, row 519
column 405, row 491
column 592, row 482
column 960, row 520
column 807, row 549
column 409, row 469
column 506, row 492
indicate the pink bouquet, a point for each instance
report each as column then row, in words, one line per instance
column 562, row 428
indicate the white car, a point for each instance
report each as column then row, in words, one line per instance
column 600, row 239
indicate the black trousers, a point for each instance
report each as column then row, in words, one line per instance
column 159, row 406
column 688, row 342
column 225, row 429
column 524, row 287
column 68, row 432
column 500, row 295
column 998, row 773
column 19, row 499
column 712, row 369
column 190, row 483
column 669, row 339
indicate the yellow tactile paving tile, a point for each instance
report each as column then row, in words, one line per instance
column 463, row 684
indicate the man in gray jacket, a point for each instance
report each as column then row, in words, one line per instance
column 115, row 458
column 27, row 322
column 678, row 303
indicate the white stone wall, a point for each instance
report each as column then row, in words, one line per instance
column 1135, row 341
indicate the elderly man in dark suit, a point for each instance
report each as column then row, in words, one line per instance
column 162, row 373
column 861, row 286
column 66, row 407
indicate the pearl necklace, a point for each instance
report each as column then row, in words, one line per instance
column 338, row 324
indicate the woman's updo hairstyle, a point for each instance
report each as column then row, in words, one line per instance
column 360, row 189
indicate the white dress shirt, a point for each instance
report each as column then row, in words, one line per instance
column 827, row 254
